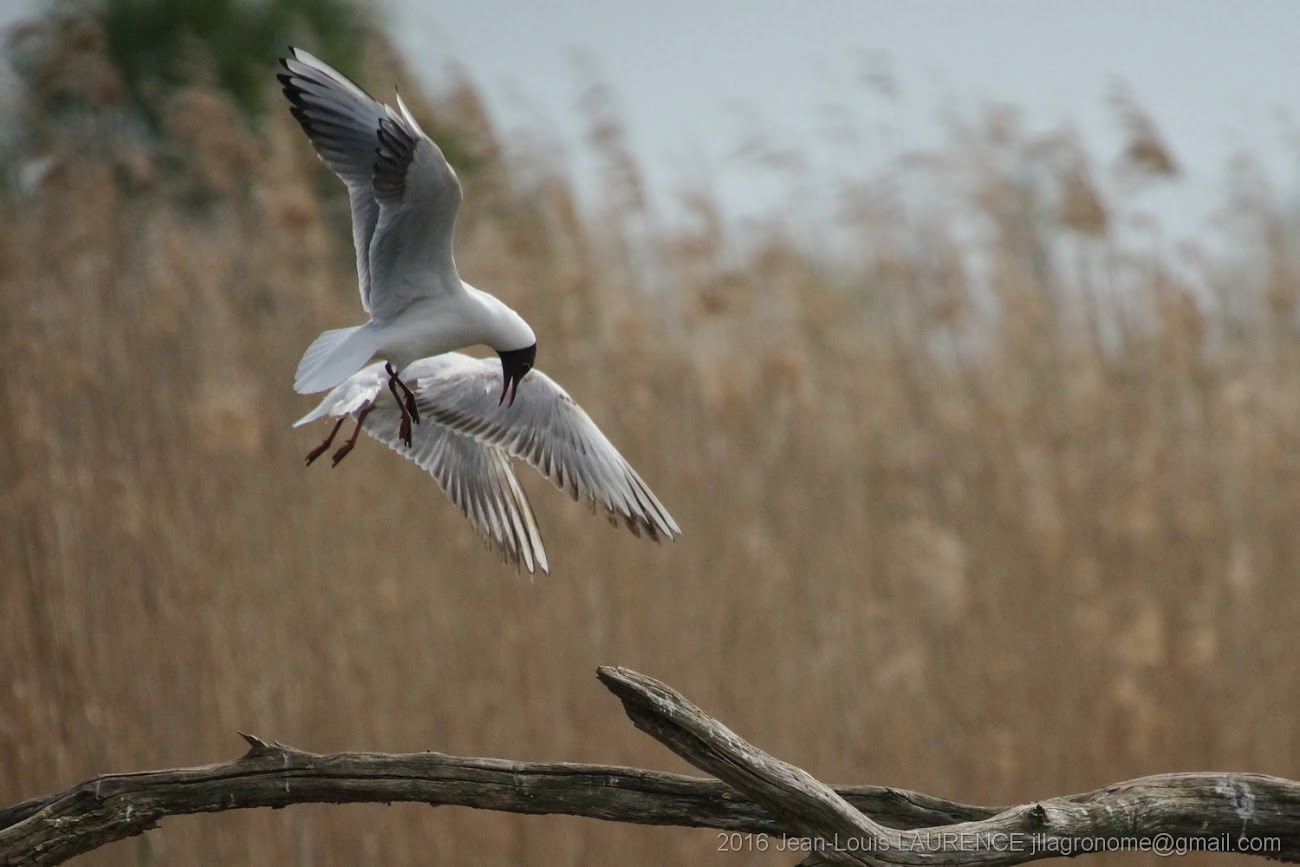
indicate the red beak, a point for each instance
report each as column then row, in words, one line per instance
column 508, row 384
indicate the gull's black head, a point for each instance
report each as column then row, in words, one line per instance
column 514, row 365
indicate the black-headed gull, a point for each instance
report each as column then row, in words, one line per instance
column 404, row 198
column 467, row 440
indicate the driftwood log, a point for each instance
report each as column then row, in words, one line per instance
column 769, row 804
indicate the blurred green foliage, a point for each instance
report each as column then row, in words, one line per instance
column 160, row 42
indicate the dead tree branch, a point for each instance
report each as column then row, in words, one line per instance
column 754, row 793
column 1246, row 813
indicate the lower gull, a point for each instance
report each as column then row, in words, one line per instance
column 467, row 441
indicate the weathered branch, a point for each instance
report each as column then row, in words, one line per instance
column 755, row 794
column 56, row 827
column 1246, row 813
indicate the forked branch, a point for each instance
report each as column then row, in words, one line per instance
column 754, row 793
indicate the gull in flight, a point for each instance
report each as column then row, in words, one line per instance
column 466, row 443
column 404, row 199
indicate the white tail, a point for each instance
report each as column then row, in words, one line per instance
column 332, row 358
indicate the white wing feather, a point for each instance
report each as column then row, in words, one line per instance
column 544, row 427
column 477, row 479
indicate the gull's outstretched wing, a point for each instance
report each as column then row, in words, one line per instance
column 545, row 428
column 403, row 192
column 478, row 479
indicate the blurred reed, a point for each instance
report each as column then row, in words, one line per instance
column 996, row 527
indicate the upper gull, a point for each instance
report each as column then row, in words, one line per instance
column 404, row 198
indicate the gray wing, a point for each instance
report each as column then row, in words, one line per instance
column 548, row 430
column 478, row 479
column 404, row 194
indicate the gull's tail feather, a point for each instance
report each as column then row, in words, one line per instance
column 320, row 411
column 349, row 397
column 332, row 358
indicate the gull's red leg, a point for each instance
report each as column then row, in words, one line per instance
column 352, row 440
column 320, row 449
column 411, row 409
column 403, row 431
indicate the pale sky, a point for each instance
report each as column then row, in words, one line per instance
column 693, row 79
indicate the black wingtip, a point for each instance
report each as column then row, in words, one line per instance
column 301, row 116
column 394, row 139
column 297, row 108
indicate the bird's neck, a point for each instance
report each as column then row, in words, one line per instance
column 507, row 329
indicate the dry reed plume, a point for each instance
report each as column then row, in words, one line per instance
column 992, row 539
